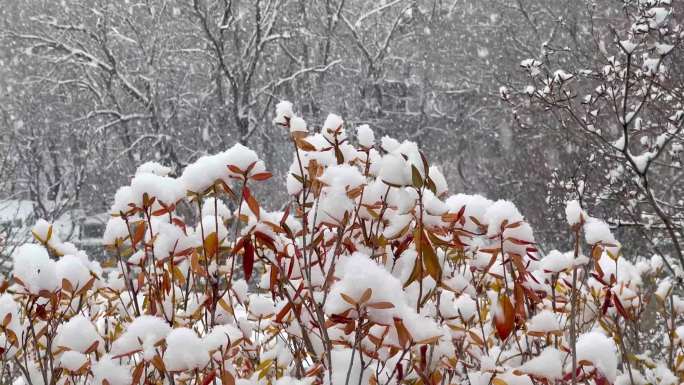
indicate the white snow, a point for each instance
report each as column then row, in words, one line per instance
column 221, row 337
column 283, row 112
column 499, row 212
column 393, row 170
column 72, row 361
column 544, row 322
column 596, row 231
column 72, row 269
column 110, row 370
column 205, row 171
column 600, row 350
column 153, row 168
column 466, row 307
column 185, row 350
column 555, row 262
column 116, row 229
column 365, row 136
column 438, row 178
column 343, row 177
column 389, row 144
column 298, row 124
column 548, row 364
column 165, row 189
column 333, row 128
column 260, row 306
column 77, row 334
column 212, row 206
column 574, row 213
column 146, row 328
column 35, row 269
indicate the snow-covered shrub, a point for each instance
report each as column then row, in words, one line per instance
column 371, row 275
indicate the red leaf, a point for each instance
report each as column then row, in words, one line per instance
column 283, row 312
column 261, row 176
column 179, row 223
column 568, row 376
column 620, row 308
column 239, row 245
column 519, row 295
column 504, row 318
column 265, row 240
column 285, row 215
column 164, row 210
column 601, row 379
column 235, row 169
column 606, row 302
column 248, row 259
column 209, row 378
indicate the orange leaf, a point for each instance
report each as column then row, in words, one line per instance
column 381, row 305
column 251, row 202
column 348, row 299
column 139, row 233
column 283, row 312
column 402, row 332
column 453, row 217
column 6, row 320
column 66, row 285
column 304, row 145
column 366, row 296
column 227, row 378
column 137, row 373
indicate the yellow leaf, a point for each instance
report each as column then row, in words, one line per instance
column 178, row 275
column 211, row 244
column 476, row 338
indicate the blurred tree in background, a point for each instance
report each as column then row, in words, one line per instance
column 101, row 82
